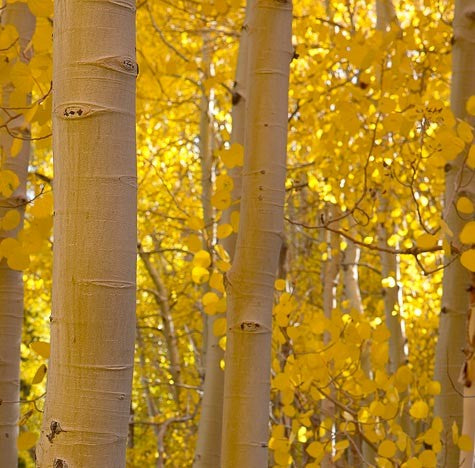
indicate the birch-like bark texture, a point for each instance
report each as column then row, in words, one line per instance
column 250, row 282
column 457, row 279
column 389, row 263
column 385, row 14
column 468, row 381
column 391, row 296
column 208, row 446
column 11, row 281
column 160, row 295
column 93, row 317
column 330, row 276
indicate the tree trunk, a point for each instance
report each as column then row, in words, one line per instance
column 250, row 282
column 457, row 279
column 208, row 447
column 93, row 315
column 11, row 281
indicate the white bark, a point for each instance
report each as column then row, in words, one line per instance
column 11, row 282
column 93, row 316
column 250, row 282
column 208, row 447
column 457, row 280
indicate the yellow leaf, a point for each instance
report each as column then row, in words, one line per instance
column 342, row 444
column 11, row 220
column 8, row 35
column 426, row 241
column 387, row 449
column 43, row 206
column 223, row 266
column 437, row 424
column 234, row 156
column 470, row 106
column 235, row 221
column 41, row 8
column 216, row 281
column 42, row 348
column 195, row 223
column 467, row 236
column 428, row 459
column 403, row 378
column 467, row 259
column 26, row 440
column 16, row 147
column 219, row 326
column 224, row 230
column 21, row 77
column 280, row 284
column 224, row 182
column 221, row 251
column 9, row 182
column 465, row 132
column 19, row 261
column 465, row 205
column 465, row 443
column 471, row 157
column 221, row 199
column 193, row 242
column 199, row 275
column 433, row 388
column 413, row 463
column 316, row 450
column 202, row 258
column 39, row 375
column 419, row 410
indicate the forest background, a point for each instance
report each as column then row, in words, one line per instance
column 374, row 285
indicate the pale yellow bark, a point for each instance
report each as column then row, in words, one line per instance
column 93, row 316
column 468, row 381
column 391, row 297
column 208, row 447
column 161, row 299
column 330, row 277
column 250, row 282
column 11, row 282
column 457, row 281
column 385, row 14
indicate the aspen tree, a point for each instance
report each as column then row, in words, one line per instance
column 385, row 15
column 11, row 282
column 92, row 322
column 250, row 282
column 457, row 279
column 208, row 447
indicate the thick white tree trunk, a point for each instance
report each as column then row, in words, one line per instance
column 11, row 282
column 93, row 317
column 457, row 279
column 250, row 282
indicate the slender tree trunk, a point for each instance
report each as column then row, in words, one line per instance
column 161, row 299
column 208, row 447
column 457, row 279
column 468, row 381
column 93, row 316
column 250, row 282
column 330, row 277
column 385, row 14
column 11, row 282
column 392, row 305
